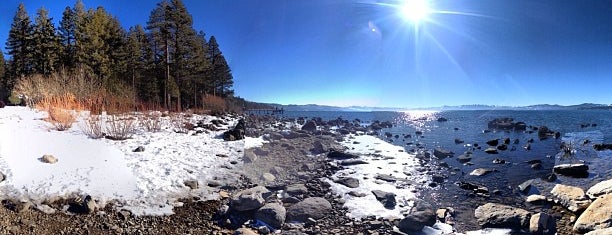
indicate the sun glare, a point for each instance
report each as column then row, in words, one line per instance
column 415, row 10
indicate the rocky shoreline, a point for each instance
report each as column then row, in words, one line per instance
column 286, row 188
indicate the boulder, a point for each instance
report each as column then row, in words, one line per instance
column 570, row 197
column 237, row 133
column 459, row 141
column 416, row 221
column 542, row 223
column 602, row 147
column 599, row 189
column 337, row 155
column 296, row 189
column 502, row 147
column 348, row 182
column 310, row 126
column 312, row 207
column 48, row 158
column 272, row 214
column 493, row 142
column 386, row 198
column 463, row 158
column 476, row 188
column 139, row 149
column 578, row 170
column 491, row 150
column 481, row 171
column 442, row 153
column 605, row 231
column 597, row 216
column 442, row 119
column 352, row 162
column 501, row 216
column 192, row 184
column 249, row 199
column 535, row 199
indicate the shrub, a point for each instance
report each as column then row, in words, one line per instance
column 14, row 99
column 151, row 121
column 180, row 123
column 92, row 127
column 2, row 104
column 61, row 119
column 215, row 104
column 120, row 127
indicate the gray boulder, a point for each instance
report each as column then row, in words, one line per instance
column 272, row 214
column 605, row 231
column 442, row 153
column 573, row 170
column 310, row 126
column 249, row 199
column 421, row 215
column 348, row 182
column 501, row 216
column 312, row 207
column 296, row 189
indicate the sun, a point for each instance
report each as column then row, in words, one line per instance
column 415, row 10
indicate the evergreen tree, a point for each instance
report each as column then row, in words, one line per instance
column 2, row 70
column 99, row 38
column 160, row 27
column 19, row 46
column 140, row 62
column 46, row 47
column 67, row 33
column 221, row 79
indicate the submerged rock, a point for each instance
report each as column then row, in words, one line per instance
column 442, row 153
column 481, row 171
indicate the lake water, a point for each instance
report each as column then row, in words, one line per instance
column 469, row 127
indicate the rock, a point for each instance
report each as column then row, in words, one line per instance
column 312, row 207
column 602, row 147
column 499, row 161
column 527, row 146
column 317, row 148
column 244, row 231
column 550, row 177
column 249, row 157
column 491, row 150
column 337, row 155
column 85, row 205
column 605, row 231
column 249, row 199
column 296, row 189
column 506, row 141
column 48, row 158
column 535, row 199
column 139, row 149
column 385, row 177
column 494, row 142
column 525, row 186
column 237, row 133
column 442, row 119
column 476, row 188
column 501, row 216
column 578, row 170
column 272, row 214
column 502, row 147
column 542, row 223
column 352, row 162
column 438, row 178
column 459, row 141
column 570, row 197
column 348, row 182
column 310, row 126
column 597, row 216
column 481, row 171
column 599, row 189
column 16, row 206
column 192, row 184
column 536, row 166
column 2, row 177
column 386, row 198
column 420, row 215
column 463, row 158
column 441, row 153
column 268, row 177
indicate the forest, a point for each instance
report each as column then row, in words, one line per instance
column 164, row 64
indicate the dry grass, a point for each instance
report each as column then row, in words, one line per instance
column 180, row 123
column 120, row 127
column 61, row 119
column 62, row 110
column 92, row 127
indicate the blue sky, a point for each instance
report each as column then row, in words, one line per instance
column 362, row 52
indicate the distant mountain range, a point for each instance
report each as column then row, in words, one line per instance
column 315, row 107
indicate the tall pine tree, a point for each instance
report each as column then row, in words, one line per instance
column 160, row 27
column 19, row 46
column 67, row 32
column 46, row 47
column 140, row 60
column 2, row 70
column 221, row 80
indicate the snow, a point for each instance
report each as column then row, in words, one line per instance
column 146, row 183
column 383, row 158
column 251, row 142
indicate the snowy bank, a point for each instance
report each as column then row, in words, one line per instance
column 147, row 182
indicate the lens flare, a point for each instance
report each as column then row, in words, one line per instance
column 415, row 10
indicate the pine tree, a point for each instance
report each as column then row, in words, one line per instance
column 221, row 79
column 139, row 64
column 67, row 33
column 46, row 47
column 19, row 46
column 2, row 70
column 160, row 27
